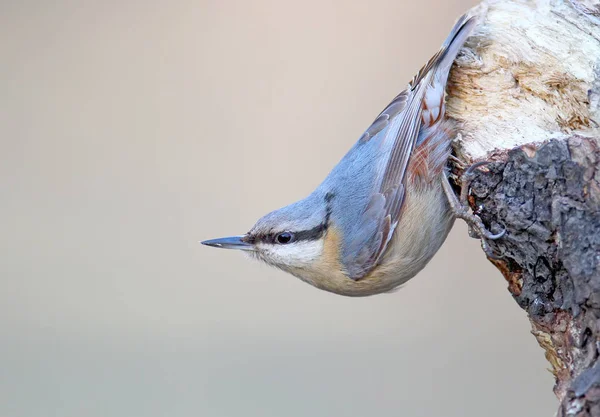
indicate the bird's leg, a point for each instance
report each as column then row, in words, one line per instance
column 460, row 207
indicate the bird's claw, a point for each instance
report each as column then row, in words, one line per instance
column 460, row 165
column 460, row 208
column 474, row 222
column 458, row 162
column 466, row 179
column 476, row 226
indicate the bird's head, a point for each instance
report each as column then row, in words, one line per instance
column 291, row 238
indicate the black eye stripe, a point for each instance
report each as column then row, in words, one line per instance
column 304, row 235
column 315, row 233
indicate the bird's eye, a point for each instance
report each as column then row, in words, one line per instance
column 285, row 237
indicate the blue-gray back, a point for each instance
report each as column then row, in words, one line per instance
column 367, row 187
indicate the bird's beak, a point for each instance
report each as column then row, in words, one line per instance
column 233, row 242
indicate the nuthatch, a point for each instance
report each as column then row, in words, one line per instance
column 386, row 208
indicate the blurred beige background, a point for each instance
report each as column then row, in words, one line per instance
column 131, row 130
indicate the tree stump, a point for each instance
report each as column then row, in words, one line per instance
column 526, row 94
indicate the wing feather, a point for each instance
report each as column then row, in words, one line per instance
column 381, row 214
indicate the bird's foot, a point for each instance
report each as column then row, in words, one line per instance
column 460, row 208
column 458, row 164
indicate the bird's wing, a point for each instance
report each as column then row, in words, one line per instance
column 399, row 123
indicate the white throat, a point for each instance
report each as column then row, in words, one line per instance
column 301, row 254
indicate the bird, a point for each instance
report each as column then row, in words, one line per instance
column 386, row 208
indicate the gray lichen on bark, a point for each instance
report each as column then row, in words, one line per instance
column 526, row 94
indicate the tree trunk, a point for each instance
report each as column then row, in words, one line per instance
column 526, row 94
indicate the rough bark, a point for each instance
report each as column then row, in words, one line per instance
column 526, row 93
